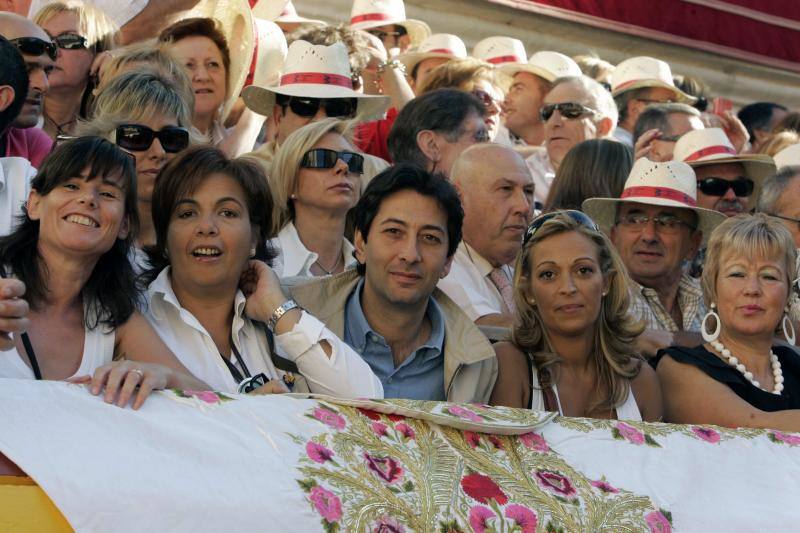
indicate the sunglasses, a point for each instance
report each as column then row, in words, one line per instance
column 382, row 35
column 324, row 158
column 334, row 107
column 71, row 41
column 486, row 99
column 139, row 138
column 568, row 110
column 581, row 218
column 718, row 186
column 33, row 46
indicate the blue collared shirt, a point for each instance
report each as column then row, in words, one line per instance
column 421, row 375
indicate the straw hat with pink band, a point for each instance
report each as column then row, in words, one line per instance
column 500, row 50
column 670, row 184
column 269, row 54
column 788, row 157
column 268, row 9
column 545, row 64
column 315, row 71
column 444, row 45
column 645, row 72
column 368, row 14
column 712, row 147
column 289, row 15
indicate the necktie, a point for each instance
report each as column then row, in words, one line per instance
column 503, row 284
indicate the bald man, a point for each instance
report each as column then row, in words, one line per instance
column 496, row 189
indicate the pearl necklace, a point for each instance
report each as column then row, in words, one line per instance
column 734, row 362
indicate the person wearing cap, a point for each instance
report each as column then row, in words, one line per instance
column 531, row 80
column 435, row 50
column 386, row 19
column 576, row 109
column 638, row 82
column 660, row 126
column 656, row 226
column 316, row 83
column 496, row 190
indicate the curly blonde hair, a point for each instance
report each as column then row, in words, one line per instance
column 615, row 359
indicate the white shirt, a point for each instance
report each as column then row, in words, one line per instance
column 343, row 374
column 294, row 259
column 15, row 184
column 469, row 286
column 623, row 136
column 543, row 174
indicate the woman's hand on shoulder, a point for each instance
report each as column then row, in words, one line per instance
column 512, row 388
column 646, row 390
column 262, row 288
column 13, row 311
column 123, row 381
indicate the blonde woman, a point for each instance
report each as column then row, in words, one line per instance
column 572, row 345
column 316, row 180
column 146, row 55
column 81, row 32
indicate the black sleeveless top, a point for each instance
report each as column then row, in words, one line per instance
column 721, row 371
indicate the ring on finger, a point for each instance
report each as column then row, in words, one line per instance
column 137, row 371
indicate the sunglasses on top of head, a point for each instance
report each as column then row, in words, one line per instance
column 719, row 186
column 568, row 110
column 138, row 138
column 578, row 216
column 334, row 107
column 325, row 158
column 33, row 46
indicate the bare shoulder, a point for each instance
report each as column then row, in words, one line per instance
column 512, row 386
column 509, row 355
column 646, row 390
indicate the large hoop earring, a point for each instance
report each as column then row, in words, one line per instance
column 711, row 337
column 787, row 326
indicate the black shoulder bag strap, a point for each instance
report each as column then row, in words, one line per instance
column 26, row 343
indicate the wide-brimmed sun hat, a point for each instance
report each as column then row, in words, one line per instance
column 545, row 64
column 368, row 14
column 443, row 45
column 289, row 15
column 315, row 71
column 499, row 50
column 646, row 72
column 670, row 184
column 788, row 157
column 269, row 55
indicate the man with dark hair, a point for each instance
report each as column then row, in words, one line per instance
column 759, row 119
column 14, row 79
column 667, row 123
column 433, row 129
column 416, row 340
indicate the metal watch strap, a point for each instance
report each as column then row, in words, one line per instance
column 282, row 309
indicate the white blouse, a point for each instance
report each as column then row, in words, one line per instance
column 294, row 259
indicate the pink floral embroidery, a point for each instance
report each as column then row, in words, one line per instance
column 472, row 438
column 329, row 418
column 630, row 433
column 791, row 440
column 386, row 468
column 387, row 524
column 707, row 434
column 466, row 414
column 524, row 518
column 657, row 522
column 555, row 482
column 479, row 517
column 326, row 503
column 205, row 395
column 405, row 430
column 318, row 453
column 534, row 441
column 496, row 442
column 604, row 486
column 395, row 418
column 369, row 413
column 482, row 489
column 379, row 428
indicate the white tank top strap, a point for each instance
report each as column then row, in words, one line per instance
column 629, row 410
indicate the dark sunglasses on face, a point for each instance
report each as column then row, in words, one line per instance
column 324, row 158
column 719, row 186
column 568, row 110
column 581, row 218
column 33, row 46
column 71, row 41
column 334, row 107
column 138, row 138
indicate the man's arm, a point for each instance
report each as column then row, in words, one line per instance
column 152, row 19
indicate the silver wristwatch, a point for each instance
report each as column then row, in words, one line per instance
column 282, row 309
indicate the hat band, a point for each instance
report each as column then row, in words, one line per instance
column 631, row 82
column 316, row 78
column 503, row 59
column 439, row 51
column 710, row 150
column 366, row 17
column 659, row 192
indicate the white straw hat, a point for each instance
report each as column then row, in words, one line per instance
column 270, row 53
column 545, row 64
column 788, row 157
column 289, row 16
column 268, row 9
column 670, row 184
column 315, row 71
column 367, row 14
column 499, row 50
column 444, row 45
column 642, row 72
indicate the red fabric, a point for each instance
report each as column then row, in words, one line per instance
column 317, row 78
column 372, row 137
column 710, row 150
column 658, row 192
column 31, row 143
column 779, row 8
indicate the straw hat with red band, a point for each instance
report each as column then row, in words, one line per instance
column 268, row 9
column 444, row 45
column 368, row 14
column 645, row 72
column 500, row 50
column 545, row 64
column 788, row 157
column 670, row 184
column 289, row 15
column 269, row 55
column 711, row 147
column 315, row 71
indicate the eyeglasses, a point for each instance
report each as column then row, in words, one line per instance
column 486, row 99
column 33, row 46
column 334, row 107
column 139, row 138
column 666, row 224
column 719, row 186
column 248, row 385
column 581, row 218
column 324, row 158
column 568, row 110
column 668, row 138
column 790, row 219
column 70, row 41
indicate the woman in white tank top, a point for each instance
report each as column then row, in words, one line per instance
column 572, row 343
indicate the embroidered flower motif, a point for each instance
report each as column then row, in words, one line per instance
column 629, row 433
column 523, row 518
column 369, row 413
column 604, row 486
column 535, row 442
column 466, row 414
column 395, row 418
column 707, row 434
column 779, row 436
column 405, row 430
column 318, row 453
column 555, row 482
column 479, row 517
column 387, row 524
column 657, row 522
column 496, row 442
column 205, row 395
column 326, row 503
column 329, row 418
column 379, row 428
column 482, row 489
column 386, row 468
